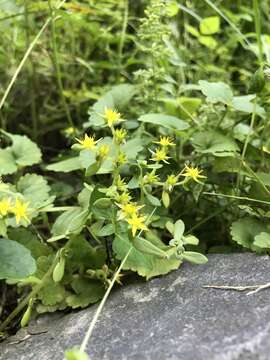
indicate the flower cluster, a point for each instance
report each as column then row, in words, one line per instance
column 19, row 209
column 130, row 213
column 161, row 153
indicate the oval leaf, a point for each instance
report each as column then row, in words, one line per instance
column 16, row 262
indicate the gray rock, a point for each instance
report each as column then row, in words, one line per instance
column 172, row 317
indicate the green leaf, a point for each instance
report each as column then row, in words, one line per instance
column 92, row 169
column 83, row 253
column 16, row 262
column 215, row 143
column 216, row 92
column 190, row 240
column 245, row 230
column 152, row 199
column 179, row 228
column 51, row 293
column 262, row 240
column 87, row 291
column 24, row 151
column 122, row 94
column 147, row 247
column 29, row 240
column 208, row 41
column 34, row 189
column 210, row 25
column 70, row 222
column 133, row 147
column 7, row 162
column 144, row 264
column 245, row 104
column 65, row 166
column 167, row 121
column 194, row 257
column 107, row 230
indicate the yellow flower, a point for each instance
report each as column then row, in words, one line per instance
column 165, row 141
column 120, row 135
column 123, row 198
column 120, row 184
column 171, row 180
column 160, row 155
column 112, row 116
column 150, row 178
column 128, row 210
column 193, row 173
column 121, row 159
column 137, row 223
column 20, row 211
column 88, row 142
column 70, row 131
column 5, row 207
column 103, row 151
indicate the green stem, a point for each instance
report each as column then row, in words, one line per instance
column 237, row 197
column 257, row 16
column 102, row 303
column 31, row 75
column 26, row 55
column 251, row 126
column 57, row 66
column 123, row 35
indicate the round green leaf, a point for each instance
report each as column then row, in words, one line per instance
column 15, row 260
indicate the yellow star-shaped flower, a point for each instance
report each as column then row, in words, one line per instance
column 165, row 141
column 128, row 210
column 160, row 155
column 193, row 173
column 137, row 223
column 20, row 211
column 88, row 142
column 112, row 116
column 5, row 207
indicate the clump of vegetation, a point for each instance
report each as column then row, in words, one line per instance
column 129, row 131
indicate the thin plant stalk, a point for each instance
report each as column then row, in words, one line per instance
column 251, row 127
column 31, row 75
column 57, row 66
column 257, row 16
column 26, row 55
column 123, row 35
column 103, row 301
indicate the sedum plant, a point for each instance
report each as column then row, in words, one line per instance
column 123, row 199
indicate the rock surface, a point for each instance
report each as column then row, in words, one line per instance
column 172, row 317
